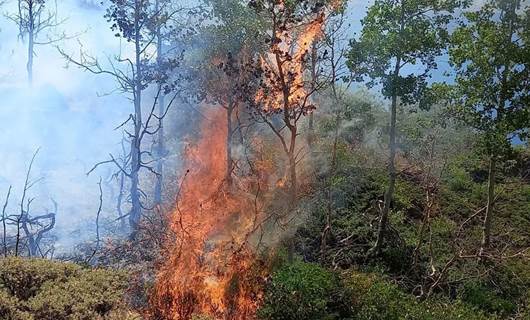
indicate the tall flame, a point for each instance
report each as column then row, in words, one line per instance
column 295, row 44
column 212, row 224
column 210, row 253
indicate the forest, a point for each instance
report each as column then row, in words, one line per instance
column 264, row 159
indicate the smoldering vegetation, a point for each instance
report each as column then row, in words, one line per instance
column 264, row 159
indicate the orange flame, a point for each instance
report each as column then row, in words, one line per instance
column 212, row 226
column 296, row 45
column 210, row 254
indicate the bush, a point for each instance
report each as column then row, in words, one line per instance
column 487, row 299
column 373, row 298
column 48, row 290
column 23, row 278
column 9, row 308
column 302, row 291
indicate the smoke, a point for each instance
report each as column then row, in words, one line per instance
column 66, row 113
column 69, row 114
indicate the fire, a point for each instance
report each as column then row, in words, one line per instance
column 295, row 44
column 211, row 256
column 212, row 224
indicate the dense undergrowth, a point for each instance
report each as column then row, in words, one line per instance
column 38, row 289
column 428, row 268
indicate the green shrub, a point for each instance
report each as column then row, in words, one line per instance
column 90, row 295
column 302, row 291
column 487, row 299
column 23, row 278
column 373, row 298
column 32, row 289
column 9, row 308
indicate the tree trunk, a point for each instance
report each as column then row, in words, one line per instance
column 229, row 131
column 136, row 209
column 4, row 226
column 119, row 203
column 292, row 167
column 293, row 131
column 160, row 148
column 333, row 169
column 383, row 221
column 486, row 229
column 327, row 228
column 294, row 183
column 160, row 154
column 311, row 129
column 31, row 44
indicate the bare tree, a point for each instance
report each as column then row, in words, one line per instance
column 160, row 142
column 139, row 22
column 98, row 214
column 35, row 21
column 35, row 228
column 329, row 57
column 28, row 184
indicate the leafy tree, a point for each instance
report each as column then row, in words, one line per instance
column 490, row 55
column 232, row 42
column 397, row 34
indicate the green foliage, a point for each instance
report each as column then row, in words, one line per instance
column 353, row 193
column 376, row 299
column 87, row 296
column 487, row 299
column 489, row 52
column 23, row 278
column 399, row 33
column 9, row 308
column 238, row 28
column 440, row 154
column 302, row 291
column 47, row 290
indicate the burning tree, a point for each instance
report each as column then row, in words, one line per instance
column 226, row 83
column 284, row 95
column 215, row 229
column 227, row 77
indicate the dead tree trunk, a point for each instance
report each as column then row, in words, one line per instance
column 31, row 43
column 311, row 129
column 4, row 222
